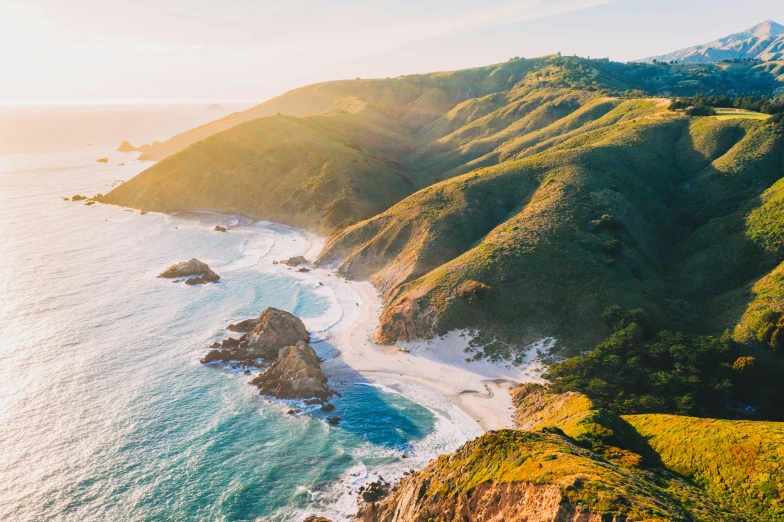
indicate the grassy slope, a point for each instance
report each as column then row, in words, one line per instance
column 586, row 480
column 681, row 188
column 319, row 172
column 692, row 469
column 503, row 247
column 740, row 462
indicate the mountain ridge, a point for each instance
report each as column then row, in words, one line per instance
column 764, row 41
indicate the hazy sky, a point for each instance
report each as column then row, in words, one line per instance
column 227, row 50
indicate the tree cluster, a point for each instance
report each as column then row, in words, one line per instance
column 763, row 104
column 637, row 370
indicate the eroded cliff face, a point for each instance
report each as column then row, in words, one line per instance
column 541, row 476
column 490, row 502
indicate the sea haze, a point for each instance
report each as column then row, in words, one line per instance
column 105, row 412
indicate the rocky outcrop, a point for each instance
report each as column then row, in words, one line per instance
column 296, row 374
column 266, row 335
column 245, row 326
column 314, row 518
column 276, row 329
column 294, row 261
column 78, row 197
column 125, row 146
column 511, row 502
column 544, row 476
column 197, row 272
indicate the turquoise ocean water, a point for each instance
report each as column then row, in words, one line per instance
column 105, row 412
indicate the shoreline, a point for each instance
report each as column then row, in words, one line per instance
column 478, row 389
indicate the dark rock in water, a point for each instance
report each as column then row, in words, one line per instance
column 231, row 342
column 296, row 374
column 66, row 199
column 314, row 518
column 89, row 203
column 293, row 411
column 194, row 267
column 333, row 420
column 215, row 355
column 303, row 269
column 244, row 326
column 219, row 228
column 295, row 261
column 275, row 330
column 311, row 402
column 375, row 491
column 328, row 408
column 126, row 147
column 78, row 197
column 102, row 160
column 215, row 345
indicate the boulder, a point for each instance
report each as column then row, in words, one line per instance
column 201, row 272
column 295, row 261
column 296, row 374
column 328, row 408
column 314, row 518
column 78, row 197
column 275, row 330
column 245, row 326
column 102, row 160
column 219, row 228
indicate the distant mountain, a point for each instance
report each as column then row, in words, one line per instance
column 764, row 41
column 215, row 107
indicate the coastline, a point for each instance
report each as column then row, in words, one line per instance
column 478, row 389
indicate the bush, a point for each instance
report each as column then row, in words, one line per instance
column 700, row 111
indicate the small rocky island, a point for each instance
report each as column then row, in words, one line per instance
column 281, row 337
column 295, row 374
column 196, row 272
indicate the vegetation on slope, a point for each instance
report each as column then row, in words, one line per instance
column 739, row 462
column 677, row 193
column 638, row 371
column 475, row 194
column 572, row 459
column 516, row 476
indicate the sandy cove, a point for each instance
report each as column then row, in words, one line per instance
column 479, row 388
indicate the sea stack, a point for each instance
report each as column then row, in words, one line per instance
column 198, row 273
column 125, row 146
column 296, row 374
column 265, row 338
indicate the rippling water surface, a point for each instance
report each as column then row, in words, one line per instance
column 105, row 413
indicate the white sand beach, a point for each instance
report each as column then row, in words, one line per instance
column 478, row 388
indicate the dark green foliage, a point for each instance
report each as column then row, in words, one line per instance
column 771, row 333
column 638, row 371
column 700, row 111
column 764, row 104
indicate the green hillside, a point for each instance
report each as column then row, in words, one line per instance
column 524, row 244
column 571, row 457
column 476, row 198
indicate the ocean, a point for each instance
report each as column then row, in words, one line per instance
column 105, row 411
